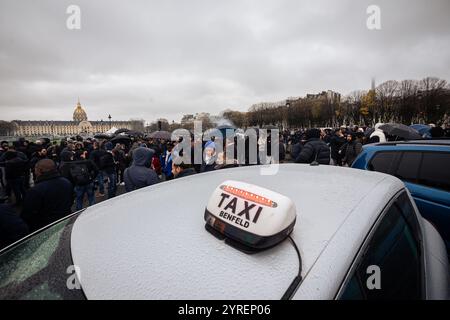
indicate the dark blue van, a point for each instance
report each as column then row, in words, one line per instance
column 424, row 167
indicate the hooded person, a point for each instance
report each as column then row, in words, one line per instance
column 210, row 157
column 140, row 174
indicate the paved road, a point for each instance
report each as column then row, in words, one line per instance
column 120, row 190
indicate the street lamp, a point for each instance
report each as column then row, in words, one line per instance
column 109, row 117
column 288, row 106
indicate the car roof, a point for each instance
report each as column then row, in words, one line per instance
column 152, row 244
column 425, row 142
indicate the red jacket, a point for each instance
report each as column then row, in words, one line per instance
column 156, row 165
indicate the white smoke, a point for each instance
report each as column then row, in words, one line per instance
column 221, row 121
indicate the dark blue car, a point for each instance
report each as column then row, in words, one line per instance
column 424, row 167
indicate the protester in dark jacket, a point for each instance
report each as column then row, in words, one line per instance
column 81, row 174
column 50, row 199
column 108, row 168
column 16, row 167
column 336, row 142
column 40, row 154
column 119, row 159
column 140, row 174
column 53, row 152
column 296, row 148
column 182, row 170
column 314, row 149
column 12, row 227
column 95, row 155
column 351, row 149
column 282, row 151
column 4, row 146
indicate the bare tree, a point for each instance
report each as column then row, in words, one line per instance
column 387, row 92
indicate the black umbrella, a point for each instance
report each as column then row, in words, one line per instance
column 102, row 136
column 123, row 130
column 45, row 140
column 400, row 130
column 135, row 133
column 161, row 135
column 121, row 139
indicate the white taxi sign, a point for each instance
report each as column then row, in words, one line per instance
column 255, row 217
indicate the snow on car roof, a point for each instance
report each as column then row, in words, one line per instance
column 152, row 244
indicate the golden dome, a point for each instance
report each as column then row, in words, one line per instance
column 79, row 114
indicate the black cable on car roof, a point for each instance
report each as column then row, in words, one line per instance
column 294, row 284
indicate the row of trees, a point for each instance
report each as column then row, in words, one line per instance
column 6, row 128
column 164, row 125
column 407, row 101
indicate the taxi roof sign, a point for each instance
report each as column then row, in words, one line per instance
column 249, row 216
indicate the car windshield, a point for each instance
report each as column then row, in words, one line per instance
column 41, row 266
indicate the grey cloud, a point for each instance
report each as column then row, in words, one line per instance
column 152, row 59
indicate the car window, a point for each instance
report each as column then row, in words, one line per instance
column 408, row 167
column 435, row 170
column 406, row 207
column 383, row 162
column 40, row 267
column 353, row 290
column 394, row 252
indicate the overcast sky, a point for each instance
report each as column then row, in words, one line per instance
column 151, row 59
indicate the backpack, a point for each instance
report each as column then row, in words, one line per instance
column 80, row 174
column 106, row 160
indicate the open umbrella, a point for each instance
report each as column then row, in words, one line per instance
column 121, row 139
column 131, row 133
column 423, row 129
column 102, row 136
column 123, row 130
column 45, row 140
column 160, row 135
column 400, row 130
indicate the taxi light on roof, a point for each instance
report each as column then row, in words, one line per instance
column 249, row 196
column 250, row 217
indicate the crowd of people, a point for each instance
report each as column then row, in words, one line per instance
column 338, row 147
column 44, row 181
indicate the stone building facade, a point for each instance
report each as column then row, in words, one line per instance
column 79, row 125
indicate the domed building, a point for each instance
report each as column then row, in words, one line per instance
column 79, row 125
column 79, row 114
